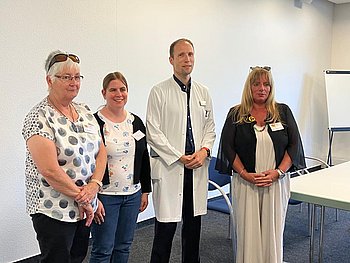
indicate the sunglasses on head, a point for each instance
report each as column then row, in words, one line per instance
column 267, row 68
column 62, row 58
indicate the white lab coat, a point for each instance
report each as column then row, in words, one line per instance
column 166, row 124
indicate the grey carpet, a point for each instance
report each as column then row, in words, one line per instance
column 216, row 247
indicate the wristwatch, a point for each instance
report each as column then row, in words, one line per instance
column 208, row 151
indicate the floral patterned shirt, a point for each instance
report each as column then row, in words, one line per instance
column 120, row 146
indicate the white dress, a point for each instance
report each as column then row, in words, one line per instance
column 260, row 211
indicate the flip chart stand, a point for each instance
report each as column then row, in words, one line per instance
column 331, row 132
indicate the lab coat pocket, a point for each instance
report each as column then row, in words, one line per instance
column 156, row 166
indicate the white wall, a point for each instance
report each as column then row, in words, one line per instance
column 133, row 37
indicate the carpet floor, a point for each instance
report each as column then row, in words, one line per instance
column 216, row 247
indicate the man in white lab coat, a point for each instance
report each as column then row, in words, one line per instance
column 180, row 132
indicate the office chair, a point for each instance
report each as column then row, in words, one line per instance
column 222, row 203
column 216, row 182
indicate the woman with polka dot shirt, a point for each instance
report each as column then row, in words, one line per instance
column 65, row 162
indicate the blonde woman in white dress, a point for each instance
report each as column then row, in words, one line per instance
column 260, row 144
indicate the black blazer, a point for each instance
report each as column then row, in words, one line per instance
column 239, row 138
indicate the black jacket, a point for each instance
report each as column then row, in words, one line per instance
column 239, row 138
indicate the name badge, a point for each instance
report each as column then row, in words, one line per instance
column 89, row 128
column 276, row 126
column 138, row 135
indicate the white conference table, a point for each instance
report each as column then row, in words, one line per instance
column 327, row 188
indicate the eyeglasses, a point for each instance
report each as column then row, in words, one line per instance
column 67, row 78
column 62, row 58
column 267, row 68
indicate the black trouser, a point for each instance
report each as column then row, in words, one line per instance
column 61, row 241
column 190, row 234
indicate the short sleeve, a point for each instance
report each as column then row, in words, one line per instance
column 295, row 146
column 37, row 122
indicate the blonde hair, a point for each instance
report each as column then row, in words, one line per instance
column 242, row 111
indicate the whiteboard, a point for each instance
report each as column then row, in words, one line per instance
column 338, row 99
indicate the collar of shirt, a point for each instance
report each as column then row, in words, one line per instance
column 182, row 86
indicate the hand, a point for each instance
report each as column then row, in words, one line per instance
column 259, row 179
column 263, row 180
column 195, row 160
column 185, row 159
column 85, row 210
column 250, row 177
column 272, row 174
column 87, row 193
column 144, row 202
column 100, row 213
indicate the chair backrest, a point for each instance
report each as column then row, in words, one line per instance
column 317, row 164
column 215, row 176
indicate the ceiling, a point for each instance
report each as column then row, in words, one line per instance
column 339, row 1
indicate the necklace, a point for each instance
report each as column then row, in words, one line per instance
column 69, row 106
column 261, row 130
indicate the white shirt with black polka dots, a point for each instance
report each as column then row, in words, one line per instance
column 77, row 145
